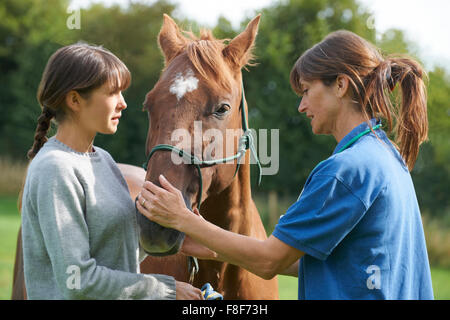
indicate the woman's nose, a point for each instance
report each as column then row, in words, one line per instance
column 122, row 103
column 302, row 106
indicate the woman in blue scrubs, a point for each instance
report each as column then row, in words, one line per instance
column 355, row 231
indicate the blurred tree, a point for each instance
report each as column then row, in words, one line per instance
column 431, row 174
column 439, row 114
column 224, row 29
column 30, row 30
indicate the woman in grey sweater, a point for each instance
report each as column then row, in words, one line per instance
column 79, row 226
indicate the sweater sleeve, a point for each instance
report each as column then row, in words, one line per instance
column 58, row 198
column 142, row 254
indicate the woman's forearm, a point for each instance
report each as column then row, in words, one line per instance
column 265, row 258
column 246, row 252
column 292, row 270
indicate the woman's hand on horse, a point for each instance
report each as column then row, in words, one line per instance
column 185, row 291
column 164, row 206
column 193, row 248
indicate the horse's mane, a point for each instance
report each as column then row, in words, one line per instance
column 207, row 55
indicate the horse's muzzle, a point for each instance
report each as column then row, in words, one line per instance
column 157, row 240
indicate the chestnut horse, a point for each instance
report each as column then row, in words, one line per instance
column 201, row 83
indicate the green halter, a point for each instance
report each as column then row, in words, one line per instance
column 245, row 142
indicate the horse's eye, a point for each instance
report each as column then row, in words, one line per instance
column 224, row 108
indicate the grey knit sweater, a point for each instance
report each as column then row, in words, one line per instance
column 79, row 230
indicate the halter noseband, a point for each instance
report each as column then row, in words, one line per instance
column 245, row 142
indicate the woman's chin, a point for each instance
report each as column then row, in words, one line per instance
column 110, row 130
column 317, row 130
column 313, row 128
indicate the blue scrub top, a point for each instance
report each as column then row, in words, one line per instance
column 358, row 222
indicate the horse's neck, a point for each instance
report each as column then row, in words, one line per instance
column 233, row 209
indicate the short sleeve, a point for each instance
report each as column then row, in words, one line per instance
column 324, row 214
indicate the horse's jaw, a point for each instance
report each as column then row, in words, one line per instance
column 157, row 240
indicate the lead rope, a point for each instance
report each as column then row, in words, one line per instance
column 193, row 267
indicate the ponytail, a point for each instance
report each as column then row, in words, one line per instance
column 409, row 114
column 40, row 136
column 412, row 125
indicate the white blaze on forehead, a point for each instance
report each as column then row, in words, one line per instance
column 184, row 83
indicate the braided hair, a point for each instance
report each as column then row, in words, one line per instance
column 40, row 136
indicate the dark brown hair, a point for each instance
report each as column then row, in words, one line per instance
column 372, row 79
column 80, row 67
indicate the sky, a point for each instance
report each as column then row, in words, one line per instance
column 425, row 22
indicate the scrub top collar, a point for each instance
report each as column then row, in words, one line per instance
column 357, row 130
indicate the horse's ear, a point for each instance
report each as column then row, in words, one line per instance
column 239, row 50
column 170, row 39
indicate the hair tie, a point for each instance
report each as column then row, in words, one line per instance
column 389, row 80
column 48, row 112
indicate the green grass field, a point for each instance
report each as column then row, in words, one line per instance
column 9, row 226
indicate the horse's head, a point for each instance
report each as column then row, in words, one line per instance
column 196, row 107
